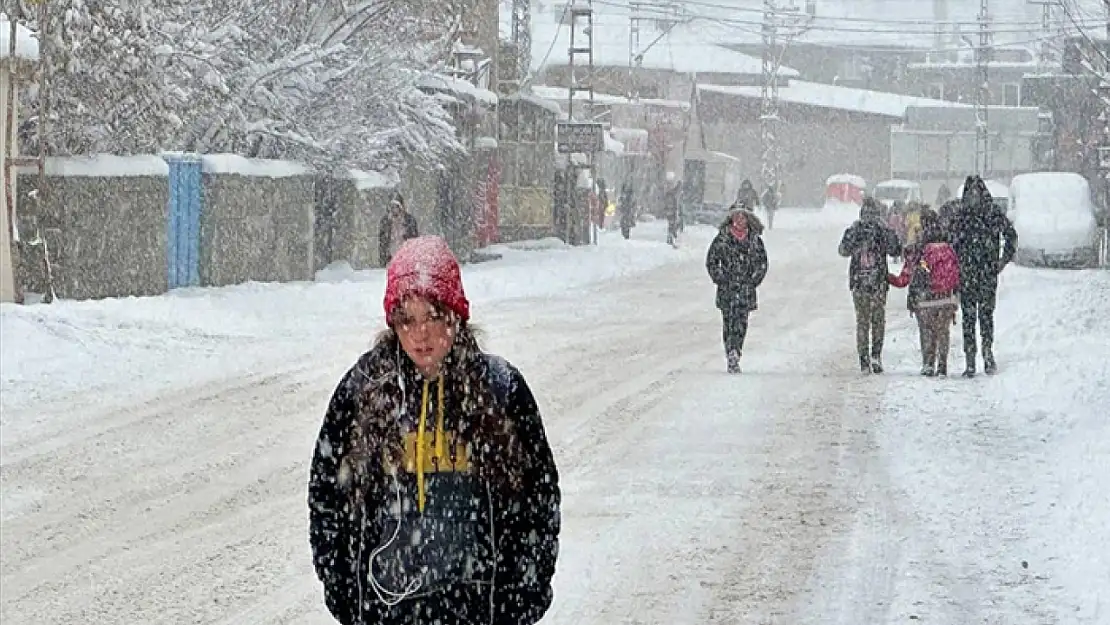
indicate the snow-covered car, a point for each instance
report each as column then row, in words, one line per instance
column 890, row 191
column 1054, row 215
column 999, row 192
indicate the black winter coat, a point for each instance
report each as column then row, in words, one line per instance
column 737, row 268
column 977, row 235
column 882, row 241
column 469, row 548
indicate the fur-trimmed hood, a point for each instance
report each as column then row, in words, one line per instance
column 755, row 224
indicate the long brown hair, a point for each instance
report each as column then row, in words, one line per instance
column 495, row 447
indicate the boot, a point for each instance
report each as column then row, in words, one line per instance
column 990, row 367
column 864, row 364
column 969, row 358
column 927, row 370
column 876, row 364
column 942, row 369
column 734, row 362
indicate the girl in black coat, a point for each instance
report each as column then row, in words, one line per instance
column 434, row 498
column 737, row 264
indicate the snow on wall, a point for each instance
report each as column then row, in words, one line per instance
column 103, row 166
column 374, row 179
column 256, row 167
column 485, row 143
column 26, row 42
column 836, row 97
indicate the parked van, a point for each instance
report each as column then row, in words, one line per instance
column 1054, row 215
column 890, row 191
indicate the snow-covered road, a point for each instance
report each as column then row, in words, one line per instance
column 798, row 492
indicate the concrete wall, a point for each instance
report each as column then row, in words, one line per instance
column 105, row 219
column 256, row 228
column 106, row 235
column 348, row 212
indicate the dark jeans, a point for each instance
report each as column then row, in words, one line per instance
column 735, row 329
column 870, row 323
column 978, row 306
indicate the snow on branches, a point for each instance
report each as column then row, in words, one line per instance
column 328, row 81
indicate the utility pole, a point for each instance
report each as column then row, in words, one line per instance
column 522, row 36
column 982, row 92
column 634, row 54
column 1045, row 56
column 1104, row 144
column 9, row 162
column 581, row 11
column 776, row 28
column 769, row 99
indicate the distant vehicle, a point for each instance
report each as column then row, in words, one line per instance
column 890, row 191
column 843, row 197
column 710, row 185
column 845, row 189
column 1054, row 215
column 999, row 192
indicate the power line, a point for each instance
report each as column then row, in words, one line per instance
column 1016, row 27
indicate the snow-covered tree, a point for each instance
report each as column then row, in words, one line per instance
column 107, row 90
column 330, row 81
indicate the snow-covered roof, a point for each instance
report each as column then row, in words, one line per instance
column 254, row 167
column 852, row 179
column 559, row 95
column 457, row 86
column 26, row 42
column 686, row 49
column 837, row 97
column 485, row 143
column 897, row 183
column 536, row 100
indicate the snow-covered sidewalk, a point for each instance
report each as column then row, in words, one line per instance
column 139, row 346
column 984, row 500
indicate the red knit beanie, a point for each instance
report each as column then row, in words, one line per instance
column 425, row 267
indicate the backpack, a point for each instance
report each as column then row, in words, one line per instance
column 936, row 276
column 943, row 267
column 870, row 268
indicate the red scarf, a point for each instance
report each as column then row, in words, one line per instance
column 740, row 232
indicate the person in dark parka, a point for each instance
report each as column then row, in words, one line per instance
column 977, row 228
column 737, row 264
column 396, row 226
column 868, row 242
column 433, row 496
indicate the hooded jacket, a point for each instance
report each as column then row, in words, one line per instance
column 736, row 266
column 977, row 227
column 434, row 502
column 870, row 237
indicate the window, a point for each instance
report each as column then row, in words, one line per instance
column 935, row 91
column 1011, row 94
